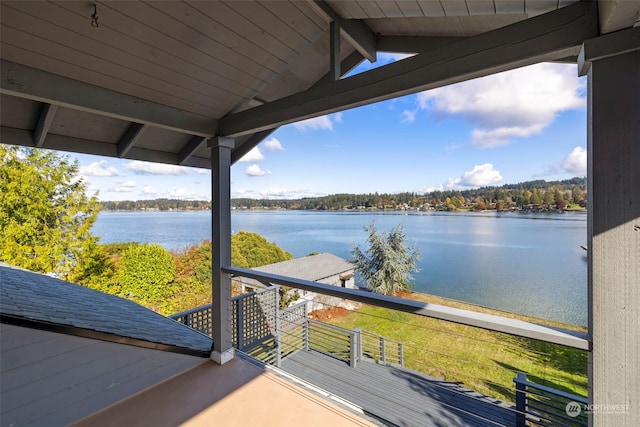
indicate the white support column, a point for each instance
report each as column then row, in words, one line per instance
column 221, row 247
column 614, row 227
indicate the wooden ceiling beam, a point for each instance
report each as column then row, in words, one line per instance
column 29, row 83
column 355, row 31
column 547, row 37
column 44, row 123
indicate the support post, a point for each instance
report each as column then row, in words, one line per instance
column 401, row 354
column 521, row 399
column 306, row 333
column 612, row 63
column 359, row 332
column 383, row 351
column 223, row 350
column 354, row 349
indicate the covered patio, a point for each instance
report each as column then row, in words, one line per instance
column 202, row 83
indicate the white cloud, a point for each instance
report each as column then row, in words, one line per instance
column 122, row 187
column 273, row 144
column 576, row 162
column 517, row 103
column 146, row 168
column 183, row 193
column 148, row 190
column 254, row 170
column 319, row 123
column 480, row 176
column 408, row 116
column 255, row 155
column 275, row 193
column 498, row 137
column 98, row 169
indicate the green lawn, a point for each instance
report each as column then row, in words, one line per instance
column 484, row 361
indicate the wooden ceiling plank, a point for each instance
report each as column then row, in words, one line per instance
column 216, row 22
column 44, row 123
column 348, row 9
column 26, row 82
column 546, row 37
column 390, row 9
column 509, row 7
column 455, row 7
column 410, row 8
column 145, row 41
column 356, row 32
column 481, row 7
column 370, row 9
column 177, row 30
column 284, row 25
column 101, row 71
column 431, row 7
column 98, row 53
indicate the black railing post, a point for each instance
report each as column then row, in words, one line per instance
column 240, row 322
column 521, row 399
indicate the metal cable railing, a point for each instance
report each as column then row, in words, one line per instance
column 492, row 374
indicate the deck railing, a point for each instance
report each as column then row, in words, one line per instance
column 198, row 318
column 520, row 328
column 539, row 405
column 262, row 330
column 519, row 345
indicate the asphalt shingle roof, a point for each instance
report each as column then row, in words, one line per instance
column 39, row 298
column 313, row 268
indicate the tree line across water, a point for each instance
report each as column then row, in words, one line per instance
column 538, row 195
column 532, row 195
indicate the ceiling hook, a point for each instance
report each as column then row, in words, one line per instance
column 94, row 16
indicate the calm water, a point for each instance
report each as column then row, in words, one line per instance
column 525, row 263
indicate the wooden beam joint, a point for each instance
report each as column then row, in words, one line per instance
column 44, row 123
column 129, row 139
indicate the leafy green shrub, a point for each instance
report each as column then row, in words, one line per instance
column 145, row 274
column 249, row 250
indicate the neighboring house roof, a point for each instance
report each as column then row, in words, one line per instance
column 313, row 268
column 35, row 300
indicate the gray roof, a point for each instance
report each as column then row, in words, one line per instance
column 42, row 300
column 313, row 268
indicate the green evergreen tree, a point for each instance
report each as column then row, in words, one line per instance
column 387, row 263
column 46, row 216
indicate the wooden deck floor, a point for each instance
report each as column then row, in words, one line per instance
column 397, row 396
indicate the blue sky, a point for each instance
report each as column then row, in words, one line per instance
column 515, row 126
